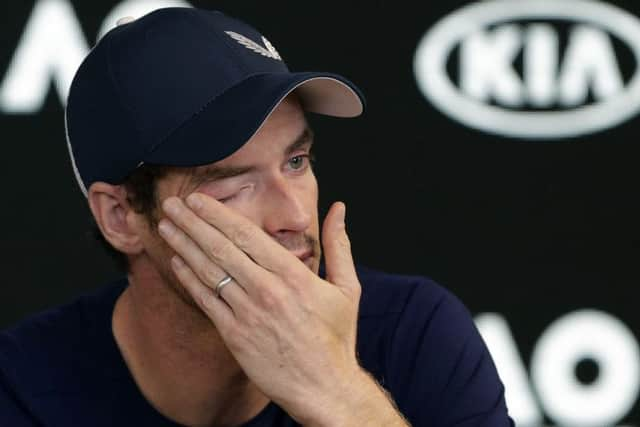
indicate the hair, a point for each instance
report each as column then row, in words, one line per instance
column 141, row 187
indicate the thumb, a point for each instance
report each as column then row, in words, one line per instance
column 337, row 249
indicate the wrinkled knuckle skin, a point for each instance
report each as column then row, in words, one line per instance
column 252, row 321
column 211, row 275
column 176, row 239
column 357, row 291
column 344, row 241
column 268, row 299
column 219, row 251
column 242, row 236
column 206, row 300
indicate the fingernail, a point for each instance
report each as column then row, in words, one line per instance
column 177, row 262
column 171, row 206
column 166, row 228
column 194, row 201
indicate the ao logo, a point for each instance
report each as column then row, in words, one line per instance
column 51, row 49
column 548, row 100
column 582, row 335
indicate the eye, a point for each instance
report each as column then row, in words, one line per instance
column 300, row 162
column 227, row 199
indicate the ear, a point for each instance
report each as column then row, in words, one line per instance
column 115, row 218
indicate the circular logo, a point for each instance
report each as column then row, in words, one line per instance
column 512, row 79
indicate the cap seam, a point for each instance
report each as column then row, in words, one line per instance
column 117, row 91
column 230, row 54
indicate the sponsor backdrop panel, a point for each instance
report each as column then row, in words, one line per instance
column 498, row 156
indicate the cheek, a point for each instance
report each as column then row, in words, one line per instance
column 307, row 191
column 310, row 186
column 157, row 249
column 310, row 194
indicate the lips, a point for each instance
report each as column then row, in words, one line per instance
column 304, row 255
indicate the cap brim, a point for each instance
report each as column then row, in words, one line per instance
column 227, row 122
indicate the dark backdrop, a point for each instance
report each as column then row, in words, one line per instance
column 531, row 230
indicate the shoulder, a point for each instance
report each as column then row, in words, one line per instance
column 42, row 352
column 401, row 316
column 421, row 343
column 388, row 294
column 413, row 301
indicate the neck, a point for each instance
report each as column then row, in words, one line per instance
column 178, row 359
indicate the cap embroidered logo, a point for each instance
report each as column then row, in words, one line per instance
column 269, row 52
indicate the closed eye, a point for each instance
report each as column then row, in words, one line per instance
column 228, row 198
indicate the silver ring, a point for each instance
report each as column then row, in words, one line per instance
column 222, row 283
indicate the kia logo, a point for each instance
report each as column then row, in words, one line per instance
column 515, row 78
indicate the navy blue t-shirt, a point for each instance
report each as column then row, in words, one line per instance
column 63, row 368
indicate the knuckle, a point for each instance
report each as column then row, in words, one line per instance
column 357, row 291
column 210, row 275
column 206, row 301
column 176, row 237
column 344, row 241
column 242, row 235
column 252, row 321
column 219, row 251
column 268, row 298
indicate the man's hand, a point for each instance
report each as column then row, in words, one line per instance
column 293, row 333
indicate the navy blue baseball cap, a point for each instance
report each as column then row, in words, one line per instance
column 183, row 87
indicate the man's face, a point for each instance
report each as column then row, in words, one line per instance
column 269, row 180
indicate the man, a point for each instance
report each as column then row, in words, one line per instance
column 188, row 137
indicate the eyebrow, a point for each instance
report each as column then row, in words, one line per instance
column 306, row 138
column 217, row 173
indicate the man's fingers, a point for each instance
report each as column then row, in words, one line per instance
column 220, row 313
column 236, row 297
column 205, row 248
column 337, row 249
column 247, row 236
column 208, row 272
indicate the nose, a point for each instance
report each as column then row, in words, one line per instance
column 288, row 207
